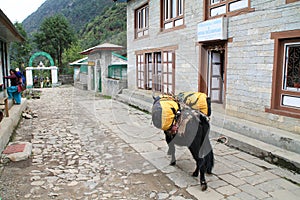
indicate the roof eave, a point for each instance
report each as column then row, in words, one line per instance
column 8, row 31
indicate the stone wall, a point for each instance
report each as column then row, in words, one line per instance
column 250, row 61
column 111, row 87
column 66, row 79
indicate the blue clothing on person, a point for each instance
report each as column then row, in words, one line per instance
column 13, row 93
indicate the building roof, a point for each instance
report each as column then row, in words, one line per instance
column 102, row 47
column 119, row 56
column 82, row 61
column 8, row 32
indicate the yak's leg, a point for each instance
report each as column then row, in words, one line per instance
column 196, row 172
column 202, row 178
column 171, row 150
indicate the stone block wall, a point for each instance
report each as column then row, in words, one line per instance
column 250, row 61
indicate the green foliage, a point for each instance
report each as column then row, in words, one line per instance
column 78, row 12
column 20, row 52
column 54, row 35
column 93, row 21
column 110, row 26
column 71, row 54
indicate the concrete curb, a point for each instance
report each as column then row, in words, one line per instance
column 8, row 124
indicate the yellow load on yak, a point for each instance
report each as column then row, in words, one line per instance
column 164, row 112
column 196, row 100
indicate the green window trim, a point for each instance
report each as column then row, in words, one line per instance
column 117, row 71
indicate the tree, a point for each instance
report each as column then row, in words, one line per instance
column 71, row 54
column 20, row 52
column 54, row 36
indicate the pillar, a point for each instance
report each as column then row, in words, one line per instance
column 54, row 76
column 29, row 82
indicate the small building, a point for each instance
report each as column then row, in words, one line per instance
column 106, row 70
column 80, row 73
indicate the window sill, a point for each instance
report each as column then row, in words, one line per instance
column 142, row 37
column 172, row 29
column 283, row 113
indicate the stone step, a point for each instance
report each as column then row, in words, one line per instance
column 268, row 152
column 138, row 94
column 279, row 138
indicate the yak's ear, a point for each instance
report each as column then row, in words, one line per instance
column 153, row 97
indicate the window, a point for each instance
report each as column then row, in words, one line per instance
column 216, row 8
column 140, row 71
column 117, row 72
column 156, row 72
column 172, row 13
column 142, row 21
column 286, row 74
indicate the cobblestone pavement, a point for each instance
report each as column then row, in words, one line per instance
column 89, row 147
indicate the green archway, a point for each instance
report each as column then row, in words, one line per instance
column 41, row 53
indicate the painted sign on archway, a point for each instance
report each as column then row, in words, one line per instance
column 41, row 53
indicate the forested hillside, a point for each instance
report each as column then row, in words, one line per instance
column 110, row 26
column 78, row 12
column 88, row 23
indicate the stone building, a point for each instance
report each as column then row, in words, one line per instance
column 106, row 71
column 244, row 54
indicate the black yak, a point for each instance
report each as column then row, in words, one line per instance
column 192, row 130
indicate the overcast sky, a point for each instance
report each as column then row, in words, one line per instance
column 18, row 10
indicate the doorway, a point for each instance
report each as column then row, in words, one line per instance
column 215, row 75
column 212, row 76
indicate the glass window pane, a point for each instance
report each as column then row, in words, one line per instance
column 168, row 25
column 291, row 66
column 291, row 101
column 170, row 67
column 215, row 83
column 170, row 78
column 170, row 57
column 165, row 56
column 215, row 94
column 179, row 22
column 218, row 11
column 174, row 7
column 238, row 5
column 214, row 2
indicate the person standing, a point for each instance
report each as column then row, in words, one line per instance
column 12, row 91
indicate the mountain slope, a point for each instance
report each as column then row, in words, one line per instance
column 110, row 26
column 78, row 12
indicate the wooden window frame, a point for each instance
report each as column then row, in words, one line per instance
column 280, row 39
column 140, row 71
column 208, row 7
column 164, row 85
column 167, row 16
column 291, row 1
column 142, row 21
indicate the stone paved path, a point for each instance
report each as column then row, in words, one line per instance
column 88, row 147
